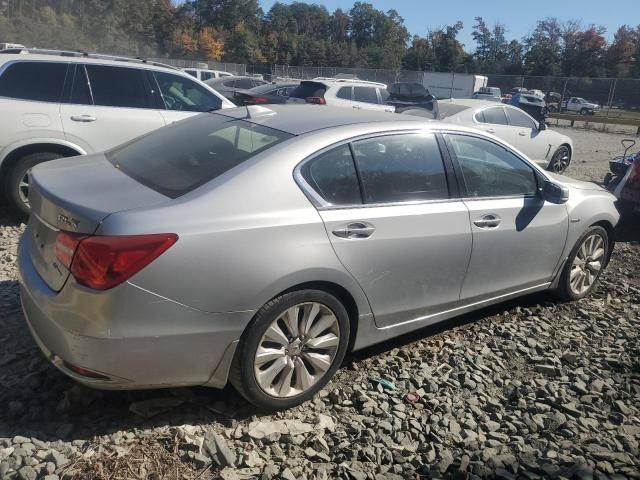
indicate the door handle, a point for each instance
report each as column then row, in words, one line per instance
column 487, row 221
column 355, row 230
column 356, row 106
column 489, row 130
column 522, row 134
column 83, row 118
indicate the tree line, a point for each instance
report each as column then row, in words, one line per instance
column 308, row 34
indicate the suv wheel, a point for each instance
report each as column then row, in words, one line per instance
column 560, row 160
column 585, row 264
column 17, row 182
column 291, row 349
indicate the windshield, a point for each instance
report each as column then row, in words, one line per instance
column 181, row 157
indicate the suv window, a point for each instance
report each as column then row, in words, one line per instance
column 493, row 115
column 400, row 168
column 332, row 175
column 206, row 76
column 520, row 119
column 182, row 93
column 344, row 93
column 193, row 73
column 365, row 94
column 119, row 86
column 80, row 93
column 38, row 81
column 185, row 155
column 490, row 170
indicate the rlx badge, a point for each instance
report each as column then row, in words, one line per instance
column 68, row 221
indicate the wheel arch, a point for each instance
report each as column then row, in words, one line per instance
column 20, row 150
column 611, row 232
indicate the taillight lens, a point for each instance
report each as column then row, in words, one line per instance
column 65, row 247
column 256, row 100
column 316, row 100
column 102, row 262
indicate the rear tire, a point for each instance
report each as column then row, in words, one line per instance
column 585, row 264
column 291, row 349
column 16, row 187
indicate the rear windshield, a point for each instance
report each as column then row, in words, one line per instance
column 181, row 157
column 308, row 89
column 447, row 110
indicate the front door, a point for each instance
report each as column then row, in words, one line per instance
column 397, row 232
column 518, row 238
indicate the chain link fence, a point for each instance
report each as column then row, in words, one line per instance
column 234, row 68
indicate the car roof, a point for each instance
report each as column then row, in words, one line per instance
column 344, row 82
column 79, row 58
column 300, row 119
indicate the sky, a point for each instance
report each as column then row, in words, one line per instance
column 519, row 17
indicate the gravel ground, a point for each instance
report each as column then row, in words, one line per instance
column 534, row 388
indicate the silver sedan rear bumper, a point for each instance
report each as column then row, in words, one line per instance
column 128, row 337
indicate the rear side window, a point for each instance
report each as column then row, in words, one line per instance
column 365, row 94
column 38, row 81
column 185, row 155
column 333, row 176
column 206, row 76
column 244, row 83
column 193, row 73
column 182, row 93
column 229, row 83
column 344, row 93
column 401, row 168
column 520, row 119
column 119, row 87
column 494, row 115
column 308, row 89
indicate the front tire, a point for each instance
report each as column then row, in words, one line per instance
column 291, row 349
column 16, row 186
column 584, row 111
column 560, row 160
column 585, row 264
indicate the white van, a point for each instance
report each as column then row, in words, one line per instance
column 204, row 74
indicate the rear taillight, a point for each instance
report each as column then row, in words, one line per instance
column 316, row 100
column 256, row 100
column 102, row 262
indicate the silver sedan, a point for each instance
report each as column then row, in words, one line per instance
column 261, row 245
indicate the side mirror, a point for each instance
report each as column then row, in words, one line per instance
column 554, row 193
column 542, row 126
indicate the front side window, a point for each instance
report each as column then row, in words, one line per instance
column 119, row 86
column 332, row 175
column 400, row 168
column 181, row 93
column 384, row 94
column 193, row 73
column 365, row 94
column 490, row 170
column 185, row 155
column 495, row 116
column 37, row 81
column 206, row 76
column 518, row 118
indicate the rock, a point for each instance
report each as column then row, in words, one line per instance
column 219, row 450
column 27, row 473
column 57, row 458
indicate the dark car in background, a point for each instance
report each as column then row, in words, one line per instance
column 412, row 98
column 230, row 85
column 269, row 93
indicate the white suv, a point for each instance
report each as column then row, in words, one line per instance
column 59, row 104
column 342, row 92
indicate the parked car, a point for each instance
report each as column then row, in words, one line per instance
column 234, row 245
column 410, row 98
column 488, row 93
column 230, row 85
column 342, row 92
column 553, row 101
column 582, row 106
column 537, row 93
column 532, row 104
column 269, row 93
column 548, row 148
column 61, row 104
column 10, row 46
column 204, row 74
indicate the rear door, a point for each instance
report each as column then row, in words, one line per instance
column 400, row 232
column 108, row 105
column 494, row 120
column 518, row 238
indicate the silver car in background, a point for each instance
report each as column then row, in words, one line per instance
column 260, row 245
column 548, row 148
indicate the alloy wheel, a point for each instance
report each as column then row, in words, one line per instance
column 587, row 264
column 297, row 349
column 23, row 188
column 560, row 160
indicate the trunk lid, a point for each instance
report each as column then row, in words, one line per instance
column 76, row 195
